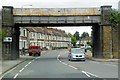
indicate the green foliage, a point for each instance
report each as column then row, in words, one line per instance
column 73, row 39
column 114, row 19
column 84, row 35
column 76, row 35
column 118, row 19
column 90, row 44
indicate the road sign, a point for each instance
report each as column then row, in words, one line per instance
column 7, row 39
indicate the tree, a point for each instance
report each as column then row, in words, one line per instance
column 114, row 19
column 73, row 39
column 118, row 19
column 76, row 35
column 84, row 35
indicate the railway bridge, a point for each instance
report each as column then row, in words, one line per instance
column 98, row 18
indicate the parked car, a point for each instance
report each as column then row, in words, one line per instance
column 76, row 54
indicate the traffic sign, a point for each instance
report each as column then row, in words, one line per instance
column 7, row 39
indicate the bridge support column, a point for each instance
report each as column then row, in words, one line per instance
column 10, row 49
column 15, row 43
column 106, row 32
column 96, row 41
column 107, row 41
column 119, row 41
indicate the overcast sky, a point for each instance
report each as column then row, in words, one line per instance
column 61, row 4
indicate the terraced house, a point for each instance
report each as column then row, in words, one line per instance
column 44, row 37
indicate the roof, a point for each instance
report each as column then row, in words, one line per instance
column 48, row 31
column 30, row 29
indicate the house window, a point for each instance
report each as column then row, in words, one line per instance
column 31, row 35
column 24, row 33
column 24, row 44
column 34, row 35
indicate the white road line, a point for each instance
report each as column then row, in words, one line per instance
column 26, row 65
column 86, row 73
column 58, row 56
column 92, row 74
column 21, row 69
column 7, row 72
column 64, row 63
column 72, row 67
column 15, row 76
column 29, row 63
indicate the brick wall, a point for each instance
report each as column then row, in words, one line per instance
column 107, row 41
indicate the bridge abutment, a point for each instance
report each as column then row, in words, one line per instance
column 106, row 32
column 107, row 42
column 10, row 45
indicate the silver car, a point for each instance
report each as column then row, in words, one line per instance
column 76, row 54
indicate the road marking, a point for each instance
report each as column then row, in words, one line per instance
column 58, row 56
column 86, row 73
column 26, row 65
column 64, row 63
column 92, row 74
column 21, row 69
column 2, row 75
column 15, row 76
column 7, row 72
column 72, row 67
column 29, row 63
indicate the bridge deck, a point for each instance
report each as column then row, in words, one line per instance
column 56, row 11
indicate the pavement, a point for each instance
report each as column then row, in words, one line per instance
column 7, row 65
column 90, row 56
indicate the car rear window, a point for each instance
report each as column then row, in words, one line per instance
column 76, row 51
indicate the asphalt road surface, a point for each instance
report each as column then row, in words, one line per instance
column 54, row 64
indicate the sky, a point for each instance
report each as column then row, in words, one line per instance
column 61, row 4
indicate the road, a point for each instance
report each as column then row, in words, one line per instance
column 54, row 64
